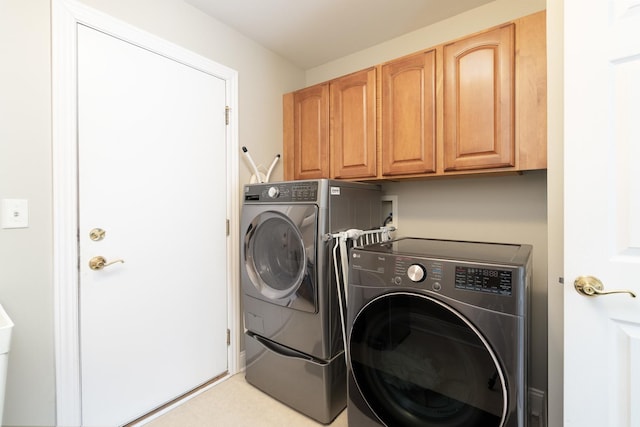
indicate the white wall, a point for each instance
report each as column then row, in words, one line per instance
column 25, row 161
column 504, row 209
column 555, row 196
column 480, row 18
column 25, row 172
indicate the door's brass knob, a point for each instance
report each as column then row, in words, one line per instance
column 97, row 234
column 99, row 262
column 592, row 286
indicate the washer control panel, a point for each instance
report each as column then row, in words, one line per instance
column 483, row 279
column 425, row 273
column 273, row 192
column 283, row 192
column 450, row 273
column 436, row 275
column 416, row 273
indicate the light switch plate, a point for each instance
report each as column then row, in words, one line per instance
column 15, row 213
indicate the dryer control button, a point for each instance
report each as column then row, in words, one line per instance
column 416, row 273
column 273, row 192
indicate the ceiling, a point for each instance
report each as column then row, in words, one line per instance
column 313, row 32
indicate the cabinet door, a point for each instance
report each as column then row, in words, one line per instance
column 531, row 92
column 311, row 132
column 353, row 125
column 409, row 115
column 479, row 101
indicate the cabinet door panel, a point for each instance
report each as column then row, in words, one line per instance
column 353, row 125
column 409, row 115
column 531, row 91
column 311, row 132
column 479, row 101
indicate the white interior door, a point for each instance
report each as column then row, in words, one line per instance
column 602, row 212
column 152, row 175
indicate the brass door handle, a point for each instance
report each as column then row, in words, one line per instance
column 99, row 262
column 592, row 286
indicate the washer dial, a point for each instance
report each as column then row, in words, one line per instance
column 416, row 273
column 273, row 192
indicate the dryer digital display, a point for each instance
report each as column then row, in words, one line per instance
column 483, row 280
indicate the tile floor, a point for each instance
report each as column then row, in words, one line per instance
column 235, row 403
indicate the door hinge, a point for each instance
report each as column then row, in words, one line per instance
column 228, row 337
column 227, row 227
column 226, row 114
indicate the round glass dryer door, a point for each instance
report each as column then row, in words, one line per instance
column 418, row 362
column 279, row 257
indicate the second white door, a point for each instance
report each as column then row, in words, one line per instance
column 602, row 213
column 152, row 193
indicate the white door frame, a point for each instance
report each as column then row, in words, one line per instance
column 66, row 15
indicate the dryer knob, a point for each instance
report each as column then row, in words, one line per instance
column 416, row 273
column 273, row 192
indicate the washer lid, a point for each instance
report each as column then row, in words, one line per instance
column 495, row 253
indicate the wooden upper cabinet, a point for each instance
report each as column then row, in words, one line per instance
column 408, row 115
column 479, row 101
column 475, row 105
column 352, row 109
column 330, row 129
column 531, row 91
column 310, row 133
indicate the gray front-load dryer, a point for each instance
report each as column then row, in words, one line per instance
column 438, row 334
column 293, row 337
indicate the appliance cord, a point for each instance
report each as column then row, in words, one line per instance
column 341, row 300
